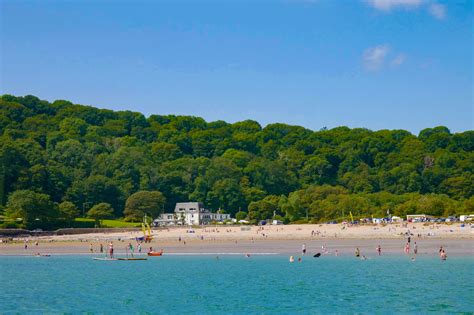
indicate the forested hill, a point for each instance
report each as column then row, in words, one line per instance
column 55, row 154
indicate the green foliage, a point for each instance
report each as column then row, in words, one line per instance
column 30, row 208
column 68, row 210
column 144, row 202
column 100, row 211
column 241, row 215
column 62, row 152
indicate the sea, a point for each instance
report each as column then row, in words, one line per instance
column 235, row 284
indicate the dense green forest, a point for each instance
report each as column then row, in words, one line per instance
column 61, row 160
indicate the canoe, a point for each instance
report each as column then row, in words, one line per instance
column 155, row 254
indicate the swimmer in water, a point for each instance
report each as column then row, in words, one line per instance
column 292, row 259
column 443, row 255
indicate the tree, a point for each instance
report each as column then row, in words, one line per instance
column 85, row 155
column 144, row 202
column 226, row 194
column 30, row 207
column 96, row 189
column 100, row 211
column 68, row 210
column 262, row 210
column 241, row 215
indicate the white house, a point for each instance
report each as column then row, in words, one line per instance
column 190, row 213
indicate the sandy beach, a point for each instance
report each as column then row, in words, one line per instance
column 280, row 239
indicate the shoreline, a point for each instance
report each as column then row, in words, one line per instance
column 344, row 247
column 278, row 239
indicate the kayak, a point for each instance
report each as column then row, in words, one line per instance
column 155, row 254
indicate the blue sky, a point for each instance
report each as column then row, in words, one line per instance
column 378, row 64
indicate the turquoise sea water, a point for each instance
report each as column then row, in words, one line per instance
column 236, row 285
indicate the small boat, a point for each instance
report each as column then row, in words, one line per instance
column 155, row 253
column 102, row 258
column 132, row 258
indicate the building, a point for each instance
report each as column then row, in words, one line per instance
column 190, row 213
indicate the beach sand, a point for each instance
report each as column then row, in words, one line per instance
column 280, row 239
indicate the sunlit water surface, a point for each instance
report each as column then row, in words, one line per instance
column 236, row 285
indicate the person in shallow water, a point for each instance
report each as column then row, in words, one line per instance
column 292, row 259
column 111, row 250
column 442, row 254
column 357, row 252
column 379, row 250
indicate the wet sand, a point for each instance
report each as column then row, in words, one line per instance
column 262, row 247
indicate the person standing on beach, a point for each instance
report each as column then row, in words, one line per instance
column 379, row 250
column 415, row 248
column 101, row 248
column 91, row 248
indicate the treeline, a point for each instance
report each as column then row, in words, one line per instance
column 63, row 152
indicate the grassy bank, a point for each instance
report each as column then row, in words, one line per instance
column 112, row 223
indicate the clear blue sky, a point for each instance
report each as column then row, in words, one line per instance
column 379, row 64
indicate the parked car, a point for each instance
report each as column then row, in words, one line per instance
column 452, row 219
